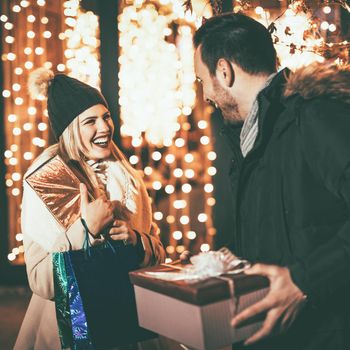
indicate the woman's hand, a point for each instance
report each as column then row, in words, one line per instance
column 97, row 214
column 121, row 232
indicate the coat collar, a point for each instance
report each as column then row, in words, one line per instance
column 271, row 104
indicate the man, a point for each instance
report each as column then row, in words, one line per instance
column 290, row 140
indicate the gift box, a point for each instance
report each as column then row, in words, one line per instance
column 197, row 313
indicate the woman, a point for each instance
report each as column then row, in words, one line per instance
column 83, row 126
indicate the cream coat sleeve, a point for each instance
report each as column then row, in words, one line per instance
column 42, row 235
column 154, row 250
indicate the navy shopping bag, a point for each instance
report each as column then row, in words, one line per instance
column 95, row 301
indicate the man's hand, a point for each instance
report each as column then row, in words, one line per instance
column 282, row 303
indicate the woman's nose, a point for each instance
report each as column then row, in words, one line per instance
column 102, row 125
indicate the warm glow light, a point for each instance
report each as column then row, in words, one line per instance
column 61, row 67
column 14, row 148
column 16, row 176
column 12, row 118
column 11, row 56
column 32, row 110
column 15, row 192
column 27, row 126
column 211, row 171
column 189, row 157
column 8, row 26
column 178, row 172
column 18, row 71
column 204, row 140
column 30, row 34
column 136, row 141
column 158, row 215
column 202, row 124
column 189, row 173
column 156, row 156
column 179, row 204
column 177, row 235
column 191, row 235
column 202, row 217
column 11, row 257
column 42, row 126
column 170, row 219
column 28, row 155
column 148, row 170
column 16, row 8
column 208, row 188
column 28, row 65
column 39, row 50
column 47, row 34
column 31, row 18
column 186, row 188
column 19, row 237
column 327, row 10
column 259, row 10
column 169, row 189
column 170, row 249
column 13, row 161
column 16, row 87
column 324, row 25
column 205, row 247
column 179, row 142
column 134, row 159
column 10, row 39
column 170, row 158
column 184, row 220
column 8, row 154
column 332, row 27
column 180, row 248
column 16, row 131
column 157, row 185
column 211, row 201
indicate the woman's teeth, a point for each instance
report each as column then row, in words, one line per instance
column 101, row 142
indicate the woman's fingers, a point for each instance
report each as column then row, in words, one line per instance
column 120, row 237
column 116, row 230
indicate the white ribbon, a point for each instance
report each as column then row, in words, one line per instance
column 204, row 265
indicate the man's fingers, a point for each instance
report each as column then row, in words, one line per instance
column 261, row 269
column 251, row 311
column 84, row 199
column 266, row 329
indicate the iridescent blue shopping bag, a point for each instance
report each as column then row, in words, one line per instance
column 95, row 301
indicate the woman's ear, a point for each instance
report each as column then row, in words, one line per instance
column 225, row 72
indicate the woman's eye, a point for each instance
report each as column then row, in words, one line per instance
column 106, row 117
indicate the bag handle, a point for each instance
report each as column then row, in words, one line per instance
column 87, row 244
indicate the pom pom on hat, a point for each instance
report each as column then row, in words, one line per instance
column 39, row 82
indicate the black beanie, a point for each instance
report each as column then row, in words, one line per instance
column 67, row 98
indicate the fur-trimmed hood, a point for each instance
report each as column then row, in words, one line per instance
column 319, row 79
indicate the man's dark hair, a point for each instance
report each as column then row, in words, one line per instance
column 236, row 38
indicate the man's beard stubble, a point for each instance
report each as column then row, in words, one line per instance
column 227, row 104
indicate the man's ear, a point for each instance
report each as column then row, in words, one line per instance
column 225, row 72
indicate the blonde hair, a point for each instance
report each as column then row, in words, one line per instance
column 73, row 152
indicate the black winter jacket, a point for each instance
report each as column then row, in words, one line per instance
column 292, row 199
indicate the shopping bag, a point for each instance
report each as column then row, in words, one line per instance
column 95, row 301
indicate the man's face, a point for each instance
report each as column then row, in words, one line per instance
column 216, row 92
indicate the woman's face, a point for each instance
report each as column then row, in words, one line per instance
column 96, row 130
